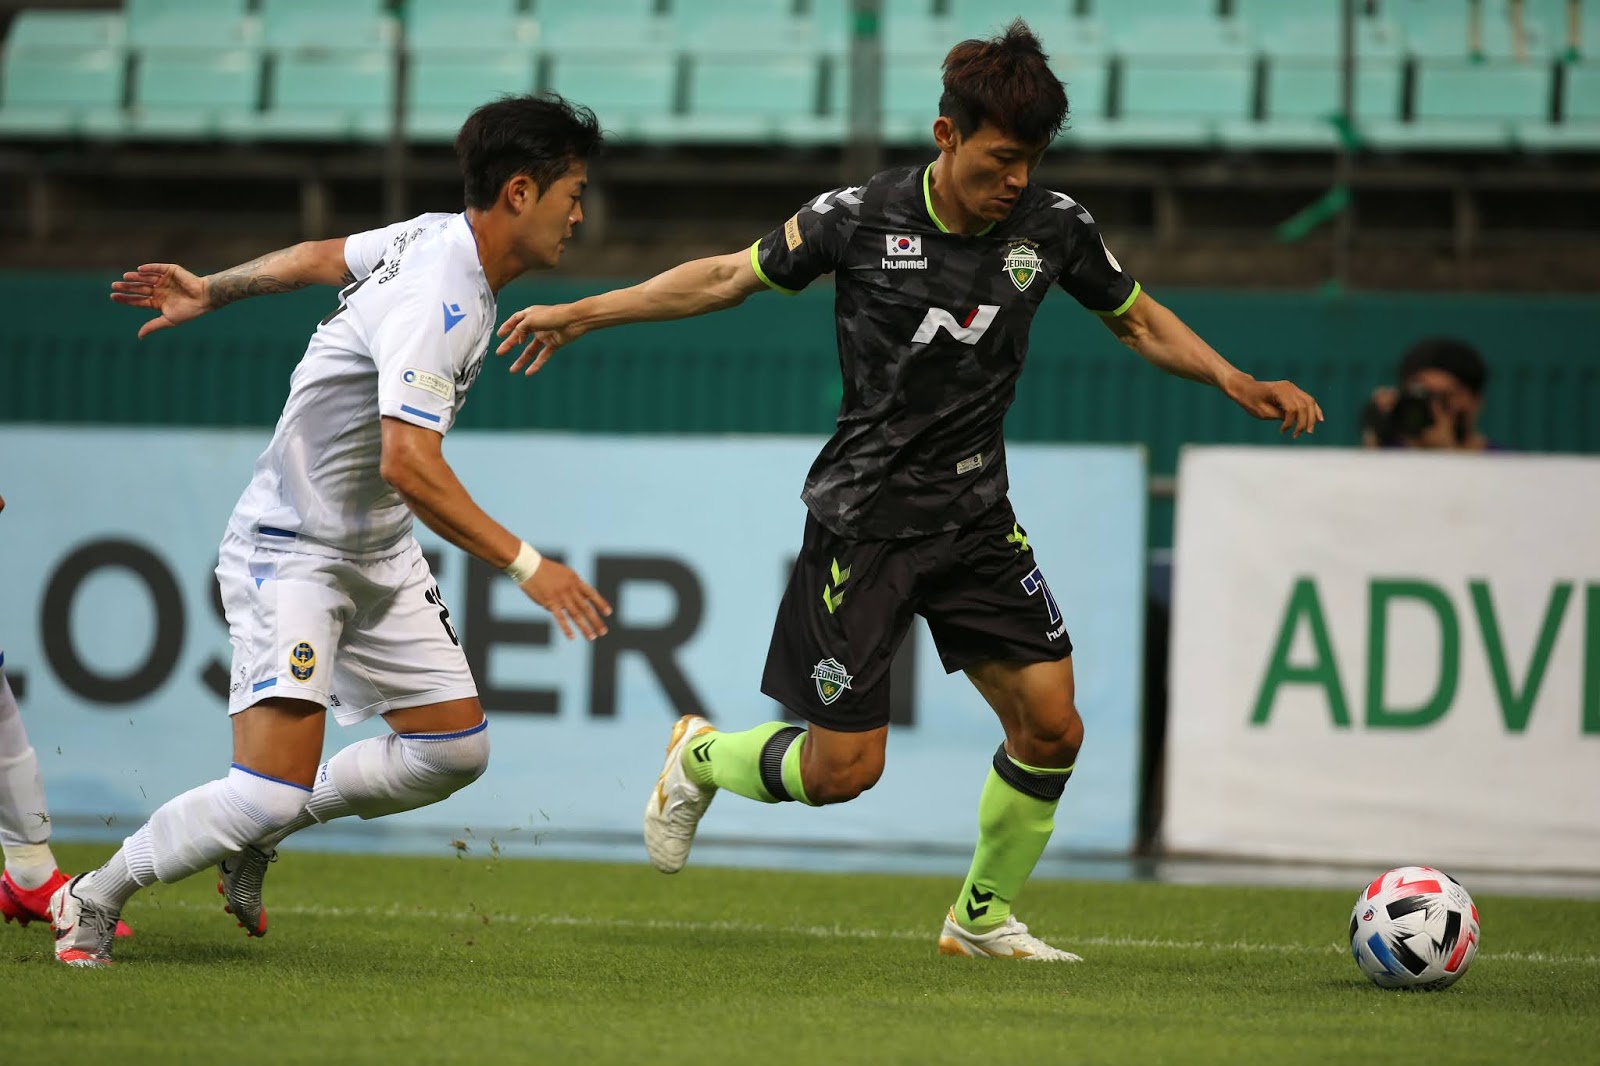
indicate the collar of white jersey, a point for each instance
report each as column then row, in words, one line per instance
column 465, row 232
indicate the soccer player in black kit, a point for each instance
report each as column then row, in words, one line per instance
column 938, row 272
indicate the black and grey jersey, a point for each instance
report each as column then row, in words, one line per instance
column 932, row 330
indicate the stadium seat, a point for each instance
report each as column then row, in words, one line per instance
column 1317, row 37
column 757, row 99
column 318, row 94
column 61, row 92
column 192, row 93
column 1135, row 35
column 1302, row 95
column 1114, row 11
column 749, row 33
column 444, row 87
column 484, row 26
column 1579, row 128
column 633, row 93
column 911, row 90
column 78, row 30
column 223, row 24
column 695, row 15
column 985, row 18
column 1171, row 100
column 1088, row 81
column 593, row 27
column 353, row 25
column 1459, row 104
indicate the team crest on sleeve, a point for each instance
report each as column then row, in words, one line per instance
column 1022, row 264
column 302, row 661
column 831, row 680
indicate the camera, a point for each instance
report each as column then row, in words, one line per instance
column 1406, row 419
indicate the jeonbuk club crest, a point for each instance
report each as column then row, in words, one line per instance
column 831, row 680
column 1022, row 264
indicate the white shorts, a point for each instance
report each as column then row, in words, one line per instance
column 359, row 636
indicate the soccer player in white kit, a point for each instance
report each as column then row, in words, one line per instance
column 328, row 598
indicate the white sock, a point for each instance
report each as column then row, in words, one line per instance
column 198, row 829
column 389, row 774
column 24, row 817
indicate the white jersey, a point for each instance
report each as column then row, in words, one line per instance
column 407, row 341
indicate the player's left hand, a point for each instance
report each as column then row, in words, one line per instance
column 1277, row 399
column 549, row 328
column 176, row 295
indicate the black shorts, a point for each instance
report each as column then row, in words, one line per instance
column 849, row 604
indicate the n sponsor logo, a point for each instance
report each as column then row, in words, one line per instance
column 969, row 331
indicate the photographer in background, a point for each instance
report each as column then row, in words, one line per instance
column 1436, row 402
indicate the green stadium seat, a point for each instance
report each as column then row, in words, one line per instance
column 1302, row 93
column 1320, row 38
column 342, row 25
column 1579, row 128
column 445, row 87
column 750, row 34
column 911, row 88
column 1459, row 104
column 985, row 18
column 600, row 26
column 696, row 14
column 484, row 26
column 634, row 94
column 78, row 30
column 192, row 93
column 223, row 24
column 1139, row 36
column 762, row 99
column 1269, row 16
column 61, row 92
column 1115, row 11
column 1551, row 18
column 1088, row 81
column 318, row 94
column 907, row 28
column 1180, row 102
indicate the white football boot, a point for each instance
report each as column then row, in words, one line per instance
column 85, row 929
column 239, row 880
column 677, row 803
column 1010, row 940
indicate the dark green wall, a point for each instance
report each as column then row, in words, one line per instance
column 69, row 355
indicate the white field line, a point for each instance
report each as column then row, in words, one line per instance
column 826, row 932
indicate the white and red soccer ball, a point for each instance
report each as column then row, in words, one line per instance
column 1414, row 927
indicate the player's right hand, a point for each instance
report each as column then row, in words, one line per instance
column 176, row 295
column 549, row 328
column 559, row 590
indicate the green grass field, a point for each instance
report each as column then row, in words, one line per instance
column 374, row 959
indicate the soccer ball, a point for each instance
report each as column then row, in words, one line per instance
column 1414, row 927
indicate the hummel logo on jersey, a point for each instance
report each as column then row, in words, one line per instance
column 452, row 315
column 902, row 245
column 905, row 253
column 967, row 332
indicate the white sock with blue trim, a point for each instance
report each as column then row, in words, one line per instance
column 392, row 773
column 198, row 829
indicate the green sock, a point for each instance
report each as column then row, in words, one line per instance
column 734, row 761
column 1016, row 815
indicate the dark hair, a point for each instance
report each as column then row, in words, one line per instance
column 1450, row 354
column 538, row 136
column 1006, row 81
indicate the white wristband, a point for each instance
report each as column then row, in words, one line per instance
column 525, row 565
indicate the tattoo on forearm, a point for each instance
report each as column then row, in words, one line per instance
column 249, row 279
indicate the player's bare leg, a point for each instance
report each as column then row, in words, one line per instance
column 1016, row 813
column 431, row 752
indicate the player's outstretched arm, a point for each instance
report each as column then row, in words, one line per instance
column 1163, row 339
column 178, row 296
column 413, row 464
column 693, row 288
